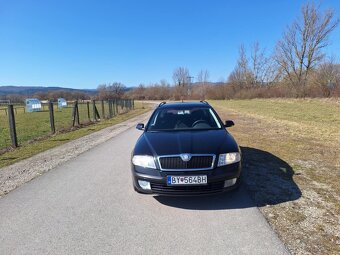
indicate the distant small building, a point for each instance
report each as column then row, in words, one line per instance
column 33, row 105
column 62, row 103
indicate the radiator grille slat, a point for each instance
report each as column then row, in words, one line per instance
column 196, row 162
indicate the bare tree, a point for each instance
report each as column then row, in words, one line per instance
column 181, row 77
column 301, row 48
column 203, row 78
column 262, row 68
column 327, row 76
column 164, row 90
column 116, row 89
column 241, row 76
column 102, row 92
column 257, row 63
column 15, row 98
column 109, row 91
column 139, row 92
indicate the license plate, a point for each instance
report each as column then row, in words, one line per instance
column 187, row 180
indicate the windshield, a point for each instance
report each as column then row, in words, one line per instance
column 183, row 119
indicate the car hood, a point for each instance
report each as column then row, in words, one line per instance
column 177, row 142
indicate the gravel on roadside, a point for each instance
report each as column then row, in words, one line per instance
column 23, row 171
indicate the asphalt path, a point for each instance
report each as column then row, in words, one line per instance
column 88, row 206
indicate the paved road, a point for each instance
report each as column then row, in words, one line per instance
column 88, row 206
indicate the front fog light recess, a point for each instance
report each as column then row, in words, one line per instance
column 144, row 184
column 230, row 182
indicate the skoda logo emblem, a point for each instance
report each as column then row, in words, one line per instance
column 185, row 157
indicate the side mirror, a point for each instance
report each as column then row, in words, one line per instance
column 140, row 126
column 229, row 123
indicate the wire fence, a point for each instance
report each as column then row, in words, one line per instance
column 17, row 126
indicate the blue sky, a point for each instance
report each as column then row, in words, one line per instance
column 82, row 44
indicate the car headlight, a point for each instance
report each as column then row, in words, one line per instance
column 229, row 158
column 144, row 161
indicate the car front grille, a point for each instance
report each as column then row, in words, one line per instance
column 196, row 162
column 165, row 189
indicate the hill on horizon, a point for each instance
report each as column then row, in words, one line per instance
column 31, row 90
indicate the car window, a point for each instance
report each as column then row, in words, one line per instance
column 183, row 119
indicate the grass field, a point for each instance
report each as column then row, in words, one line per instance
column 291, row 154
column 39, row 127
column 34, row 125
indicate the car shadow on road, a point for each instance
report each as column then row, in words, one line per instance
column 230, row 200
column 266, row 180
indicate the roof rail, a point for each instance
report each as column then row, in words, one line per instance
column 163, row 103
column 205, row 102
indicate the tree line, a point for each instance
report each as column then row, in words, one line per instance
column 297, row 67
column 104, row 92
column 48, row 95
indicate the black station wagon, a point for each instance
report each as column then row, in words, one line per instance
column 185, row 149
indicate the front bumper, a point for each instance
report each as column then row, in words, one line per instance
column 158, row 180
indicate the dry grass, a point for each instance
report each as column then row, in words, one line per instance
column 292, row 166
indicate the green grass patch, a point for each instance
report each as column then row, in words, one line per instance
column 319, row 119
column 310, row 112
column 29, row 149
column 33, row 125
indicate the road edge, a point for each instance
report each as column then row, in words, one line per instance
column 21, row 172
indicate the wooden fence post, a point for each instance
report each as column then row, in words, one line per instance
column 103, row 109
column 12, row 127
column 75, row 114
column 110, row 108
column 116, row 101
column 88, row 110
column 77, row 111
column 97, row 113
column 94, row 110
column 51, row 110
